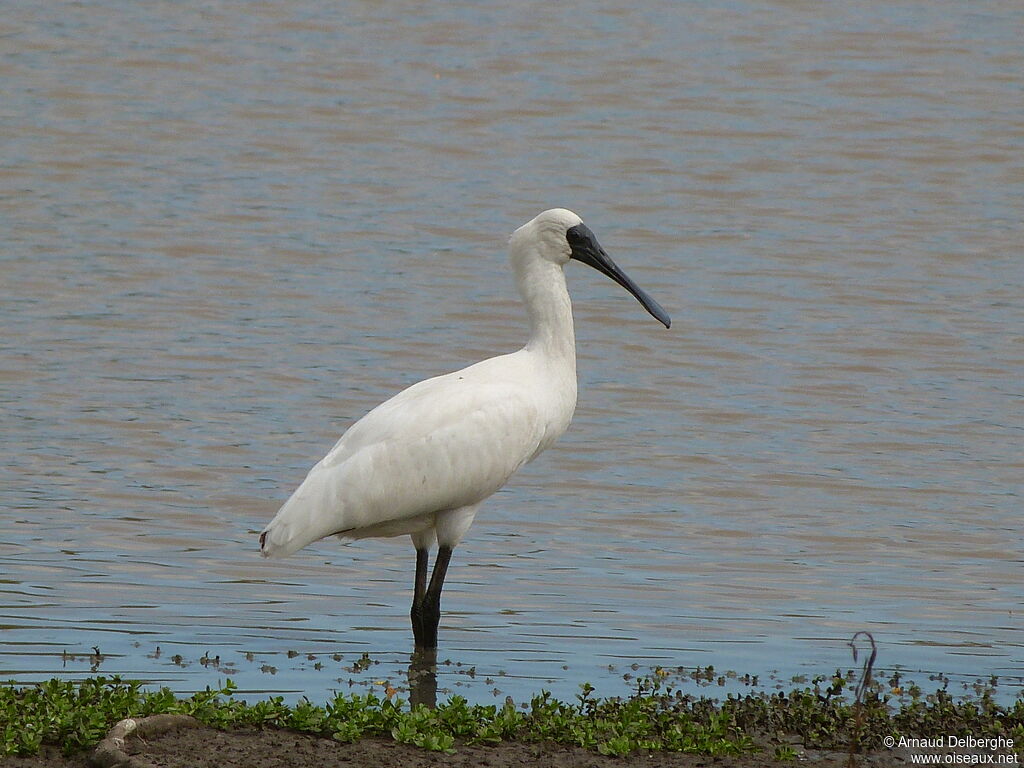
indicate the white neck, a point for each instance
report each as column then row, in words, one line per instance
column 542, row 286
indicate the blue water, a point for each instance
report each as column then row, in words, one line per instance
column 231, row 230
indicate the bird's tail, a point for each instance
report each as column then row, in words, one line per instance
column 278, row 540
column 304, row 518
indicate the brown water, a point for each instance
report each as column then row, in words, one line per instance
column 231, row 228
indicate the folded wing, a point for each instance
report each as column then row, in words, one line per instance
column 441, row 444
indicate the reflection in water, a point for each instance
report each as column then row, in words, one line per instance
column 228, row 241
column 423, row 677
column 94, row 659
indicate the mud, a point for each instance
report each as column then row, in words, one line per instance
column 271, row 748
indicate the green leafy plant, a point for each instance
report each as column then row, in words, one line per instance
column 77, row 715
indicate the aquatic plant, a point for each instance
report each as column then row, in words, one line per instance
column 77, row 715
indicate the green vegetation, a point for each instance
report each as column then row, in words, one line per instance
column 654, row 717
column 78, row 716
column 825, row 717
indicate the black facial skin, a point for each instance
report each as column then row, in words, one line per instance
column 585, row 248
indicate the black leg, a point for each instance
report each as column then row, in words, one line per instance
column 420, row 589
column 430, row 607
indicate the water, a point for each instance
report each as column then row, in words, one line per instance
column 230, row 229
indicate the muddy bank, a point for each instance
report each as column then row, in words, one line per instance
column 275, row 748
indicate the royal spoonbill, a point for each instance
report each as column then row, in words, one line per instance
column 423, row 462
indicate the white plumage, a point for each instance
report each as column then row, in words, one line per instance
column 443, row 444
column 422, row 462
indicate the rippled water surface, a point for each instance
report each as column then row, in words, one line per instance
column 231, row 228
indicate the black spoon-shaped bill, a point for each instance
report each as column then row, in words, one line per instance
column 585, row 248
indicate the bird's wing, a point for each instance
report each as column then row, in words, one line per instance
column 441, row 444
column 456, row 405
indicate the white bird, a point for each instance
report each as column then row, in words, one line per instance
column 423, row 462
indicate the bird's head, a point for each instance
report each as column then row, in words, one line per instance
column 545, row 235
column 558, row 235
